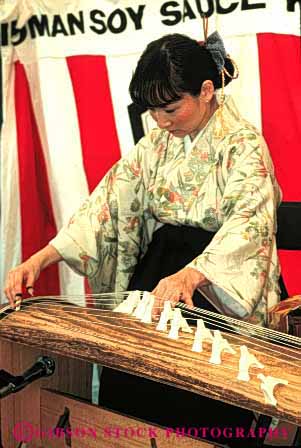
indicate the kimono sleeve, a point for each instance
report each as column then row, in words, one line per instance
column 102, row 239
column 241, row 259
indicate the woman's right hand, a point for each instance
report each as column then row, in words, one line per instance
column 23, row 275
column 28, row 272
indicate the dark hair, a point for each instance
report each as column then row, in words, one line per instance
column 171, row 66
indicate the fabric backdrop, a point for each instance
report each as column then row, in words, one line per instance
column 67, row 114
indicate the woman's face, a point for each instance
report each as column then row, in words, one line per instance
column 183, row 117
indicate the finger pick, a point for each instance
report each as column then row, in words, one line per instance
column 18, row 300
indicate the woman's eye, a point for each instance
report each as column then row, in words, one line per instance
column 170, row 111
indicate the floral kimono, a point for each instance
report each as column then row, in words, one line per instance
column 224, row 183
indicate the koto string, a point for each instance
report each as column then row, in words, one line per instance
column 271, row 335
column 50, row 305
column 208, row 319
column 251, row 328
column 268, row 333
column 252, row 342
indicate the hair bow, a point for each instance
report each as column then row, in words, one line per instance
column 215, row 46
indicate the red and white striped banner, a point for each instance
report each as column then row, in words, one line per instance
column 66, row 71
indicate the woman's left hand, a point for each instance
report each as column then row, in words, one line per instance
column 178, row 287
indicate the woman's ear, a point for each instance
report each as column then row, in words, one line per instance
column 207, row 91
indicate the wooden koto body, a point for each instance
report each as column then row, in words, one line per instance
column 124, row 343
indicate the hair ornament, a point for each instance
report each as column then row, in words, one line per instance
column 216, row 48
column 224, row 72
column 205, row 27
column 215, row 45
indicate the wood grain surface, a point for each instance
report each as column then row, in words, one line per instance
column 95, row 427
column 122, row 342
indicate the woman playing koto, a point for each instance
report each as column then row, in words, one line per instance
column 188, row 214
